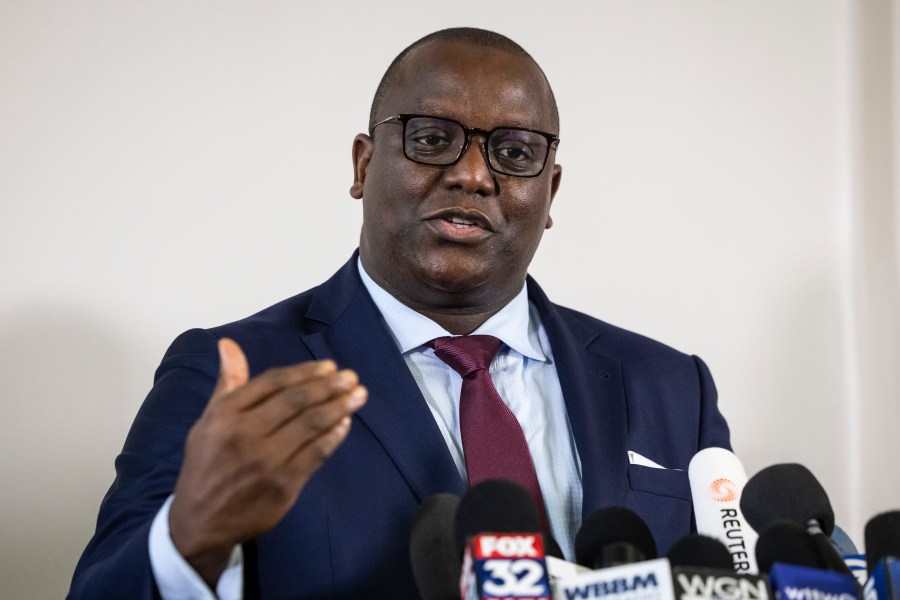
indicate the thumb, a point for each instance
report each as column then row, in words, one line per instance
column 233, row 369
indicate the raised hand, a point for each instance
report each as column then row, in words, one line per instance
column 253, row 449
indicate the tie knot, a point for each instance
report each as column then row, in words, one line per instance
column 466, row 354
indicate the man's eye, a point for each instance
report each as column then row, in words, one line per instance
column 430, row 137
column 430, row 140
column 514, row 152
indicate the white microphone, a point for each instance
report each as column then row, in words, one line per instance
column 717, row 479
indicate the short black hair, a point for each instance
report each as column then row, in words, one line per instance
column 471, row 35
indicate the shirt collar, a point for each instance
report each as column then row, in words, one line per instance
column 410, row 329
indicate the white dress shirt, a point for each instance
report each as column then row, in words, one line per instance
column 525, row 377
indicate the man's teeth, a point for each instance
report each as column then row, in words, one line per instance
column 460, row 223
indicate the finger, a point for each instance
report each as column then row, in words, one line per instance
column 274, row 380
column 233, row 369
column 314, row 422
column 278, row 409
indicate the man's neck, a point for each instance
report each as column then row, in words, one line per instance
column 457, row 320
column 458, row 324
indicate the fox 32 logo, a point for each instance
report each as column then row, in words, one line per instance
column 510, row 566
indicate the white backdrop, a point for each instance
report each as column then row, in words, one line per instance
column 730, row 187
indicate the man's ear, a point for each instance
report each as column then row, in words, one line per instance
column 554, row 186
column 362, row 154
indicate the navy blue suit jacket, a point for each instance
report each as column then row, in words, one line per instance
column 347, row 536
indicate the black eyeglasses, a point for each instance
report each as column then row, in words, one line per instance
column 441, row 142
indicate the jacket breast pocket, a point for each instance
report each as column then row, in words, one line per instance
column 662, row 497
column 661, row 482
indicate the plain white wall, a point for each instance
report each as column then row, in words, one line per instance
column 730, row 187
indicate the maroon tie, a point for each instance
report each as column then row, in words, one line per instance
column 493, row 443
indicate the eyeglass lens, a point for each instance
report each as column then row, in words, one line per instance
column 439, row 142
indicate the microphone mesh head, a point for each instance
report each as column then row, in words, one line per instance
column 496, row 506
column 612, row 525
column 882, row 537
column 432, row 551
column 787, row 542
column 786, row 492
column 700, row 552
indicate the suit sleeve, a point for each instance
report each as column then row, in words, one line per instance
column 713, row 428
column 116, row 562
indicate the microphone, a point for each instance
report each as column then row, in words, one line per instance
column 703, row 569
column 613, row 536
column 790, row 492
column 787, row 542
column 617, row 541
column 497, row 529
column 842, row 542
column 432, row 549
column 717, row 481
column 700, row 551
column 853, row 558
column 797, row 569
column 883, row 556
column 497, row 506
column 557, row 565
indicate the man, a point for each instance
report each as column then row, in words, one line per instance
column 304, row 482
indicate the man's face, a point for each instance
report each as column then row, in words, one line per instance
column 409, row 243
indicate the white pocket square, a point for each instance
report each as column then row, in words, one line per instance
column 636, row 459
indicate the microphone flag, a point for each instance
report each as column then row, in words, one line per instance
column 508, row 566
column 884, row 583
column 792, row 582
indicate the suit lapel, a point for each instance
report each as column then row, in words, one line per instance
column 595, row 401
column 396, row 413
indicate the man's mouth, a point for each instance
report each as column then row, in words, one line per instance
column 460, row 223
column 459, row 218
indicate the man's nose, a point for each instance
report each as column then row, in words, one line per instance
column 471, row 172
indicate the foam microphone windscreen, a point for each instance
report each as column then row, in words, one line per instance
column 495, row 506
column 787, row 542
column 786, row 491
column 432, row 549
column 610, row 527
column 882, row 537
column 700, row 552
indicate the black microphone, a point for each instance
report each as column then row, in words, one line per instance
column 789, row 491
column 618, row 543
column 883, row 556
column 498, row 533
column 882, row 537
column 797, row 570
column 612, row 536
column 432, row 549
column 497, row 506
column 703, row 569
column 787, row 542
column 700, row 552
